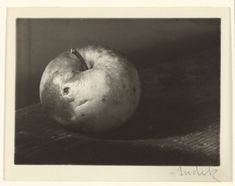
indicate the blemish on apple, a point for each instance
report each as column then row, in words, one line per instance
column 103, row 100
column 66, row 90
column 82, row 102
column 55, row 106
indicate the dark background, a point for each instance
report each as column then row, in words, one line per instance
column 177, row 120
column 146, row 42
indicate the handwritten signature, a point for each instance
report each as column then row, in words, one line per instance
column 197, row 171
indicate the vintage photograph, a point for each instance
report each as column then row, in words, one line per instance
column 118, row 91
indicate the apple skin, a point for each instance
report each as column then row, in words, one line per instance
column 95, row 92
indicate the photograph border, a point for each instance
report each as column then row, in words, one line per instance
column 118, row 173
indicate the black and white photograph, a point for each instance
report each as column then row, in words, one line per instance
column 119, row 91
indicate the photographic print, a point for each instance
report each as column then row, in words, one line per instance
column 109, row 91
column 171, row 118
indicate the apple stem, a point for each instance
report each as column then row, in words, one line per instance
column 79, row 56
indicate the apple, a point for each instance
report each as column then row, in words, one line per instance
column 90, row 89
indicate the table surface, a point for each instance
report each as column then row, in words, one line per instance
column 42, row 141
column 176, row 123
